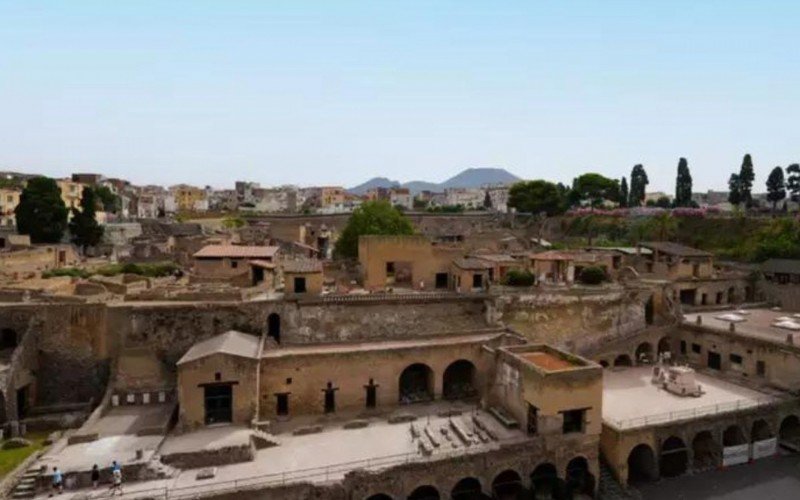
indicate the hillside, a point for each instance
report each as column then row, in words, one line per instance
column 469, row 178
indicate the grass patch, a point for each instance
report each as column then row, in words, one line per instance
column 10, row 459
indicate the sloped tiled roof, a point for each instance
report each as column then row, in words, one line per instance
column 783, row 266
column 302, row 266
column 475, row 264
column 670, row 248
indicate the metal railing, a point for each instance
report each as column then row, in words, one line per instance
column 691, row 413
column 323, row 474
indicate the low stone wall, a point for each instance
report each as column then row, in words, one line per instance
column 210, row 458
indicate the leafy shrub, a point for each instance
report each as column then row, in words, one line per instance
column 519, row 277
column 592, row 275
column 154, row 270
column 73, row 272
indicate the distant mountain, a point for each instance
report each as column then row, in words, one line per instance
column 375, row 182
column 469, row 178
column 477, row 177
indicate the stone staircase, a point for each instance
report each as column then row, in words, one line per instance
column 610, row 489
column 26, row 487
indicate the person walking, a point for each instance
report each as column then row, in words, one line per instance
column 116, row 485
column 95, row 476
column 58, row 481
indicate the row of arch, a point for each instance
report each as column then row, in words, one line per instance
column 416, row 382
column 644, row 353
column 706, row 451
column 542, row 482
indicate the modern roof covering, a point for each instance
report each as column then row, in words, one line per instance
column 675, row 249
column 497, row 257
column 231, row 342
column 302, row 266
column 236, row 252
column 263, row 264
column 781, row 266
column 625, row 250
column 472, row 264
column 565, row 255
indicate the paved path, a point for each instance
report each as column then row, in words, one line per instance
column 769, row 479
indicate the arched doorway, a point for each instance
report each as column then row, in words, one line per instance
column 379, row 496
column 790, row 433
column 8, row 338
column 707, row 452
column 467, row 488
column 506, row 485
column 664, row 345
column 458, row 381
column 623, row 360
column 674, row 457
column 416, row 384
column 545, row 482
column 760, row 431
column 578, row 478
column 603, row 363
column 274, row 327
column 424, row 493
column 644, row 353
column 642, row 465
column 733, row 436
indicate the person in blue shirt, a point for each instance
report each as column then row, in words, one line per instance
column 58, row 481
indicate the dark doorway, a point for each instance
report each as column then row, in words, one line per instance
column 22, row 402
column 507, row 485
column 330, row 397
column 644, row 353
column 623, row 360
column 731, row 295
column 642, row 465
column 258, row 275
column 424, row 493
column 714, row 360
column 8, row 338
column 468, row 488
column 372, row 394
column 477, row 281
column 274, row 327
column 299, row 284
column 544, row 481
column 733, row 436
column 533, row 420
column 416, row 384
column 282, row 404
column 579, row 479
column 707, row 452
column 219, row 403
column 3, row 416
column 674, row 457
column 441, row 281
column 790, row 433
column 459, row 380
column 380, row 496
column 688, row 296
column 664, row 345
column 648, row 311
column 760, row 431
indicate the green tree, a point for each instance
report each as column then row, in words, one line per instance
column 623, row 192
column 793, row 181
column 83, row 227
column 41, row 213
column 111, row 202
column 776, row 187
column 734, row 190
column 662, row 202
column 536, row 197
column 487, row 201
column 373, row 217
column 683, row 185
column 746, row 178
column 594, row 189
column 663, row 226
column 639, row 182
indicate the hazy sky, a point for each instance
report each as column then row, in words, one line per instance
column 336, row 92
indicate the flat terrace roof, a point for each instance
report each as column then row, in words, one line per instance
column 631, row 400
column 545, row 358
column 757, row 322
column 384, row 345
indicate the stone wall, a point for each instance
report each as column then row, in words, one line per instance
column 573, row 318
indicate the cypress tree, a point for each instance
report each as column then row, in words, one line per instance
column 746, row 178
column 683, row 185
column 623, row 192
column 776, row 187
column 638, row 186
